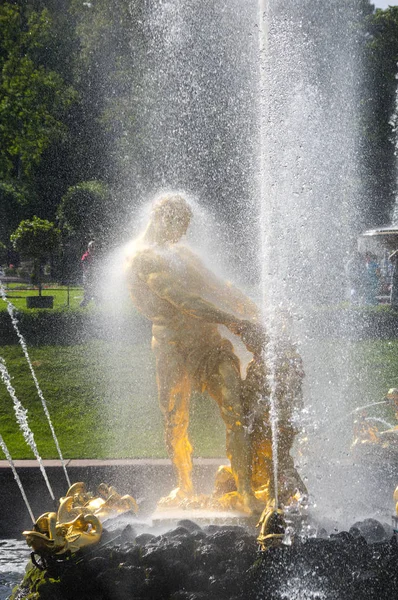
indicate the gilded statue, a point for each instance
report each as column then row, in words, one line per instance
column 287, row 377
column 272, row 528
column 367, row 434
column 187, row 303
column 78, row 521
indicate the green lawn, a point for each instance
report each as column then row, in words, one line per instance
column 345, row 376
column 103, row 401
column 17, row 295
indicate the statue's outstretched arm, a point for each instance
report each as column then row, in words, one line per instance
column 169, row 288
column 169, row 285
column 230, row 296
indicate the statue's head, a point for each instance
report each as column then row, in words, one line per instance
column 171, row 216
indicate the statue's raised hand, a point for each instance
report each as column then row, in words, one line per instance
column 252, row 334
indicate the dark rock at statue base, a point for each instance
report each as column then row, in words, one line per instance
column 190, row 525
column 372, row 530
column 329, row 569
column 219, row 563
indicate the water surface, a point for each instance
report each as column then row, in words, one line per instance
column 14, row 555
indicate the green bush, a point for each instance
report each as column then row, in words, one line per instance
column 66, row 326
column 23, row 273
column 359, row 322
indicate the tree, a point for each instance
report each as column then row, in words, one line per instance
column 33, row 98
column 3, row 253
column 107, row 71
column 87, row 212
column 37, row 239
column 379, row 104
column 14, row 199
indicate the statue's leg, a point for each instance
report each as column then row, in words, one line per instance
column 289, row 478
column 225, row 387
column 286, row 435
column 254, row 394
column 174, row 395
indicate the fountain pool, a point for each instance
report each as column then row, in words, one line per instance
column 14, row 555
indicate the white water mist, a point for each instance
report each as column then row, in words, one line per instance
column 11, row 311
column 22, row 420
column 16, row 477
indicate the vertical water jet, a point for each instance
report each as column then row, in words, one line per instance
column 11, row 311
column 16, row 477
column 22, row 420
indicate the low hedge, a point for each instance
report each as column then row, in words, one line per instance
column 66, row 326
column 74, row 326
column 353, row 322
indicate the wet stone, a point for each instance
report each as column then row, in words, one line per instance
column 343, row 536
column 198, row 581
column 208, row 555
column 128, row 534
column 191, row 526
column 221, row 564
column 198, row 535
column 144, row 538
column 166, row 551
column 177, row 532
column 184, row 595
column 371, row 530
column 97, row 564
column 211, row 529
column 131, row 579
column 224, row 538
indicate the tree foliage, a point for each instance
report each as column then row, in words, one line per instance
column 14, row 201
column 36, row 239
column 379, row 103
column 80, row 85
column 87, row 211
column 32, row 97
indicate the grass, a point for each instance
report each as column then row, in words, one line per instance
column 102, row 395
column 17, row 294
column 102, row 399
column 352, row 374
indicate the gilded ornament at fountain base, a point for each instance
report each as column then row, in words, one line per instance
column 273, row 528
column 78, row 521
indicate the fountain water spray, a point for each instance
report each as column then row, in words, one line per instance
column 11, row 310
column 324, row 427
column 379, row 420
column 16, row 476
column 21, row 415
column 394, row 130
column 310, row 192
column 266, row 303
